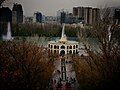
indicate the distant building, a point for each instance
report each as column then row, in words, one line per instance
column 69, row 18
column 5, row 14
column 5, row 17
column 63, row 17
column 86, row 15
column 58, row 16
column 37, row 17
column 117, row 16
column 95, row 15
column 17, row 13
column 81, row 13
column 75, row 11
column 78, row 13
column 63, row 46
column 50, row 19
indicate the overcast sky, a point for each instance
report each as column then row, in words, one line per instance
column 49, row 7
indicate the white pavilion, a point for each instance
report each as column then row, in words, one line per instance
column 63, row 46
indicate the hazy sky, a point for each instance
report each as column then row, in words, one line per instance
column 49, row 7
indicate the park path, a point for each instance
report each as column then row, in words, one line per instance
column 64, row 77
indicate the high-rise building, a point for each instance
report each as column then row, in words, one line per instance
column 81, row 13
column 78, row 14
column 17, row 13
column 117, row 16
column 50, row 19
column 95, row 15
column 5, row 14
column 90, row 15
column 87, row 15
column 63, row 17
column 5, row 17
column 37, row 17
column 69, row 18
column 75, row 11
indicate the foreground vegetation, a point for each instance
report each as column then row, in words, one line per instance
column 97, row 71
column 100, row 70
column 24, row 66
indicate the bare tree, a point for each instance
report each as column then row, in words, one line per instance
column 101, row 70
column 24, row 66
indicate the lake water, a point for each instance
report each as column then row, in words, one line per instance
column 90, row 42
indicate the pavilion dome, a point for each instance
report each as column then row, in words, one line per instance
column 63, row 46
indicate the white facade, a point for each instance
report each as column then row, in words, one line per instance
column 63, row 46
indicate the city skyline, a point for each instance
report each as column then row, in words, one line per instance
column 51, row 7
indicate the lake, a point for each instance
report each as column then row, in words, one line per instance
column 90, row 42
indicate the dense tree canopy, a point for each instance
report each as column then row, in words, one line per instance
column 48, row 30
column 24, row 66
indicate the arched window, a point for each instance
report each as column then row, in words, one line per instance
column 70, row 52
column 70, row 47
column 76, row 51
column 57, row 47
column 49, row 50
column 57, row 51
column 62, row 53
column 74, row 47
column 54, row 46
column 62, row 47
column 67, row 47
column 51, row 46
column 73, row 51
column 54, row 51
column 67, row 51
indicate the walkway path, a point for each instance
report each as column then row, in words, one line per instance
column 64, row 77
